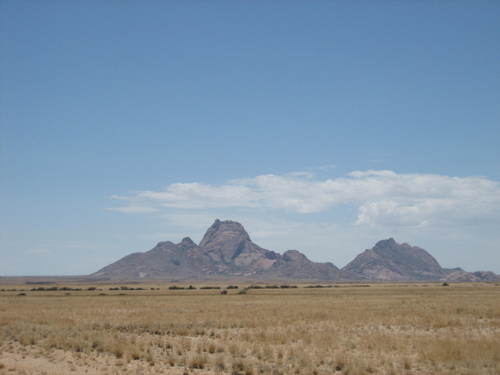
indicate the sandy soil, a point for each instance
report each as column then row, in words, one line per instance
column 16, row 359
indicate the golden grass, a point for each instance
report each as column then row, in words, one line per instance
column 382, row 329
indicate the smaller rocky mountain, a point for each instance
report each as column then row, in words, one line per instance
column 459, row 275
column 226, row 251
column 392, row 261
column 295, row 265
column 183, row 260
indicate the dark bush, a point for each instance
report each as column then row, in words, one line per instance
column 175, row 287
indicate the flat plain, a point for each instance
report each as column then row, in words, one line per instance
column 343, row 329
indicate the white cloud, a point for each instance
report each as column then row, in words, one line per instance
column 381, row 197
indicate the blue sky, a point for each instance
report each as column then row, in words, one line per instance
column 323, row 126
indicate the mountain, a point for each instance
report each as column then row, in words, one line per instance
column 392, row 261
column 226, row 251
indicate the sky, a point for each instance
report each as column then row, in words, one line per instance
column 321, row 126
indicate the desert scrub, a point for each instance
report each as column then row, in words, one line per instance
column 387, row 328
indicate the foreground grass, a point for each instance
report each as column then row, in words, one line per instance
column 381, row 329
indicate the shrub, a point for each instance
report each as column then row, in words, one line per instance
column 175, row 287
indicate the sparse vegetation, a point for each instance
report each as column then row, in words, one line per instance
column 385, row 329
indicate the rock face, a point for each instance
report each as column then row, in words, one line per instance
column 229, row 247
column 226, row 251
column 391, row 261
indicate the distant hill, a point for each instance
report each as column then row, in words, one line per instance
column 226, row 251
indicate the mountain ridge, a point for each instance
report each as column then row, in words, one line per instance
column 226, row 251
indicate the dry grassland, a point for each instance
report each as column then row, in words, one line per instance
column 382, row 329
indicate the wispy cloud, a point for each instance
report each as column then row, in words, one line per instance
column 133, row 209
column 381, row 197
column 325, row 167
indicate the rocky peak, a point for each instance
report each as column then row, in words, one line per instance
column 186, row 241
column 164, row 244
column 224, row 230
column 389, row 242
column 294, row 256
column 225, row 240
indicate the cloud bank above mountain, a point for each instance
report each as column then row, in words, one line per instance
column 380, row 197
